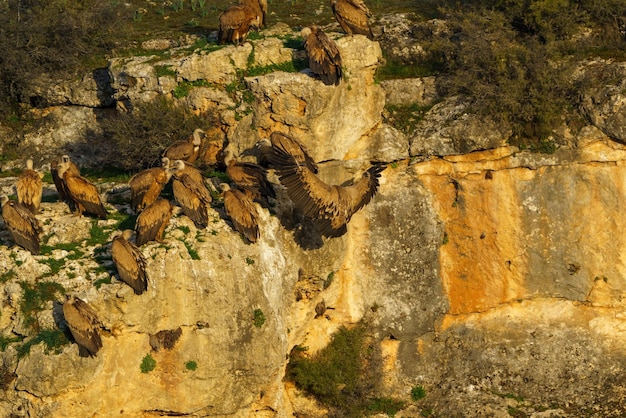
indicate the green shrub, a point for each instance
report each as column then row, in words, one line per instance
column 344, row 376
column 138, row 137
column 148, row 363
column 417, row 393
column 53, row 340
column 259, row 318
column 191, row 365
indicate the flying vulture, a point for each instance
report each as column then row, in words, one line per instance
column 288, row 144
column 130, row 262
column 332, row 206
column 84, row 194
column 250, row 177
column 187, row 150
column 191, row 194
column 29, row 188
column 146, row 185
column 324, row 58
column 235, row 22
column 83, row 324
column 259, row 7
column 352, row 16
column 240, row 208
column 152, row 221
column 22, row 224
column 59, row 183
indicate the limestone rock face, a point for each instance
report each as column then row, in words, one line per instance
column 450, row 128
column 604, row 104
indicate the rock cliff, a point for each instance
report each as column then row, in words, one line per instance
column 492, row 278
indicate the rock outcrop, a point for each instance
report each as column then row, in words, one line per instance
column 490, row 277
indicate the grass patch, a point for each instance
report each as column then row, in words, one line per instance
column 259, row 318
column 249, row 261
column 148, row 363
column 406, row 118
column 193, row 253
column 5, row 341
column 396, row 70
column 53, row 340
column 191, row 365
column 6, row 276
column 164, row 71
column 183, row 88
column 99, row 282
column 329, row 279
column 385, row 405
column 344, row 376
column 35, row 298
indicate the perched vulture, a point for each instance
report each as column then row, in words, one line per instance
column 29, row 188
column 288, row 144
column 235, row 22
column 130, row 262
column 22, row 224
column 187, row 150
column 59, row 183
column 332, row 206
column 242, row 212
column 250, row 177
column 352, row 16
column 83, row 324
column 191, row 194
column 146, row 185
column 324, row 58
column 84, row 194
column 259, row 7
column 152, row 221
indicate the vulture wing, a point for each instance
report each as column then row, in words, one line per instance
column 130, row 264
column 152, row 221
column 146, row 186
column 352, row 16
column 85, row 195
column 242, row 213
column 29, row 189
column 191, row 197
column 83, row 324
column 23, row 225
column 324, row 58
column 235, row 23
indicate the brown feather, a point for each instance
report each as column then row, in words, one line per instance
column 29, row 188
column 324, row 57
column 352, row 16
column 295, row 148
column 191, row 194
column 130, row 263
column 83, row 324
column 59, row 183
column 249, row 176
column 235, row 22
column 260, row 9
column 146, row 186
column 242, row 212
column 331, row 205
column 82, row 192
column 22, row 224
column 152, row 221
column 187, row 150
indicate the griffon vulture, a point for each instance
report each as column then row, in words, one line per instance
column 146, row 185
column 84, row 194
column 29, row 188
column 22, row 224
column 192, row 195
column 288, row 144
column 242, row 212
column 235, row 22
column 83, row 324
column 152, row 221
column 187, row 150
column 332, row 206
column 59, row 183
column 259, row 7
column 324, row 58
column 130, row 262
column 250, row 177
column 352, row 15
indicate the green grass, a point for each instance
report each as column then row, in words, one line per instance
column 191, row 365
column 35, row 298
column 193, row 253
column 329, row 279
column 5, row 277
column 183, row 88
column 53, row 340
column 249, row 261
column 148, row 363
column 5, row 341
column 385, row 405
